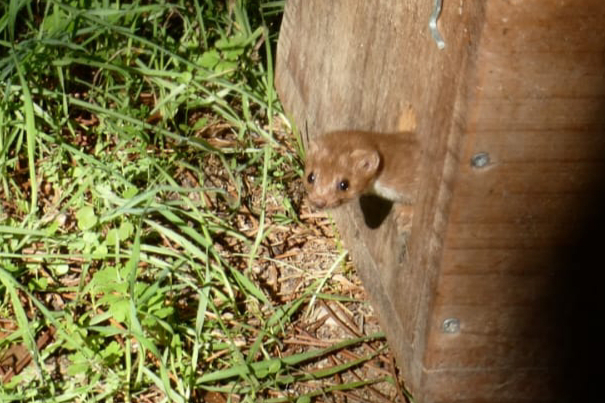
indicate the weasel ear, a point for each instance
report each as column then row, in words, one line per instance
column 366, row 161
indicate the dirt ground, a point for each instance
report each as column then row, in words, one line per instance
column 298, row 254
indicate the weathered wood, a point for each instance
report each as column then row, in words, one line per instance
column 493, row 386
column 522, row 81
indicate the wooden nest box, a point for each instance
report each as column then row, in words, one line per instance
column 488, row 293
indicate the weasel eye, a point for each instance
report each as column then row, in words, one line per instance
column 343, row 185
column 311, row 177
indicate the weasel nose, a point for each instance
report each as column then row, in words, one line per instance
column 319, row 203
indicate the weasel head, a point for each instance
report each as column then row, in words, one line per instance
column 338, row 172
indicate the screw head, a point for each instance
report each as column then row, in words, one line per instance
column 451, row 325
column 480, row 160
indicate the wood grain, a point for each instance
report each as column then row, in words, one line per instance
column 537, row 109
column 533, row 385
column 521, row 80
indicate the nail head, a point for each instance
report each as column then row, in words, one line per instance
column 451, row 325
column 480, row 160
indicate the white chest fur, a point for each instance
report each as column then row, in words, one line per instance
column 385, row 192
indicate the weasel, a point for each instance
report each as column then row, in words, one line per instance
column 343, row 165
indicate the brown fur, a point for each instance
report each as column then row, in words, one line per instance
column 380, row 163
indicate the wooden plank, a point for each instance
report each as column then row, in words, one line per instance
column 571, row 75
column 534, row 385
column 520, row 80
column 497, row 261
column 347, row 65
column 521, row 235
column 519, row 27
column 516, row 208
column 566, row 146
column 487, row 340
column 531, row 178
column 538, row 111
column 326, row 85
column 496, row 290
column 465, row 353
column 545, row 114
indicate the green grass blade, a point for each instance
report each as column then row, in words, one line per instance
column 20, row 315
column 291, row 360
column 321, row 284
column 31, row 131
column 260, row 234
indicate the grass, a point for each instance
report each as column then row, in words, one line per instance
column 149, row 194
